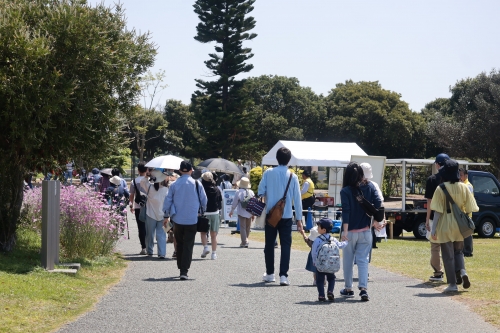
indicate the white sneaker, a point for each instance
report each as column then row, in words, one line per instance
column 268, row 278
column 204, row 253
column 451, row 288
column 284, row 281
column 214, row 256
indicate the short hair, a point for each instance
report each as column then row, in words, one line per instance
column 142, row 167
column 306, row 173
column 465, row 171
column 283, row 155
column 115, row 172
column 353, row 175
column 244, row 169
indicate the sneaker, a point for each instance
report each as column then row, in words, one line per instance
column 183, row 277
column 275, row 245
column 346, row 293
column 284, row 281
column 150, row 254
column 143, row 252
column 321, row 299
column 452, row 288
column 330, row 296
column 364, row 296
column 268, row 277
column 436, row 277
column 204, row 253
column 459, row 277
column 214, row 256
column 161, row 257
column 174, row 255
column 242, row 245
column 246, row 245
column 466, row 282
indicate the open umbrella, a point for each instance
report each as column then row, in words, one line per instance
column 165, row 162
column 220, row 165
column 106, row 171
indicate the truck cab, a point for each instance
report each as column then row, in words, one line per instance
column 487, row 194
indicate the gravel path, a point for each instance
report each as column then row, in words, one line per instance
column 227, row 295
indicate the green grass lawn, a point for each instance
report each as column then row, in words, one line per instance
column 410, row 257
column 33, row 300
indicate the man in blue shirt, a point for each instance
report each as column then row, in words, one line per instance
column 272, row 187
column 182, row 204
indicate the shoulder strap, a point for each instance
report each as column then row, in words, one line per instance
column 199, row 200
column 287, row 186
column 448, row 197
column 135, row 185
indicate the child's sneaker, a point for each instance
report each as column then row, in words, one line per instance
column 347, row 293
column 330, row 296
column 364, row 296
column 321, row 299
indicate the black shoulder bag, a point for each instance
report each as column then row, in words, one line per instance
column 139, row 198
column 202, row 225
column 378, row 214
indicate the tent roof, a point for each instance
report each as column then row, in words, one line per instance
column 312, row 153
column 420, row 162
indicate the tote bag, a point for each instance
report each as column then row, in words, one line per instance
column 465, row 223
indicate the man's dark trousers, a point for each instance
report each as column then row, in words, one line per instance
column 468, row 246
column 141, row 225
column 284, row 228
column 184, row 236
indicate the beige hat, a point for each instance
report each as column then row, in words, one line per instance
column 158, row 176
column 207, row 176
column 244, row 182
column 367, row 170
column 115, row 180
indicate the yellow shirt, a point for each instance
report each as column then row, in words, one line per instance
column 447, row 228
column 310, row 190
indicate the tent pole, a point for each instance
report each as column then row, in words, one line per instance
column 403, row 203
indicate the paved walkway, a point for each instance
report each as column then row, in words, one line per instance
column 227, row 295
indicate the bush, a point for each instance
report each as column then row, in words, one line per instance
column 89, row 228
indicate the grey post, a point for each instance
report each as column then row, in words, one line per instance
column 51, row 191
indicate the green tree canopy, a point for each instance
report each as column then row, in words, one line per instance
column 68, row 74
column 219, row 105
column 183, row 128
column 375, row 118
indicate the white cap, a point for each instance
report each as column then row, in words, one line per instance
column 367, row 170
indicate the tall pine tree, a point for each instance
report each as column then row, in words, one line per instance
column 220, row 105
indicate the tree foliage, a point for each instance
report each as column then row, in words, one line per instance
column 183, row 128
column 375, row 118
column 68, row 74
column 219, row 105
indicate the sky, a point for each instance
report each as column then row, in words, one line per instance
column 415, row 48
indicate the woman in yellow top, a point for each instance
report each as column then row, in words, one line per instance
column 307, row 191
column 445, row 228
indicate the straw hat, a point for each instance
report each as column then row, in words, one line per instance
column 207, row 176
column 157, row 176
column 244, row 182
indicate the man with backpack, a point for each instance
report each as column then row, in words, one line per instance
column 326, row 258
column 135, row 204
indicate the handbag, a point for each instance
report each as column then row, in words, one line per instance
column 246, row 199
column 378, row 214
column 465, row 223
column 202, row 224
column 139, row 198
column 276, row 213
column 142, row 212
column 255, row 206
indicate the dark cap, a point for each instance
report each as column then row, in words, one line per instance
column 325, row 223
column 449, row 171
column 185, row 166
column 441, row 158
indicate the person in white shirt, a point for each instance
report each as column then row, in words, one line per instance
column 156, row 191
column 244, row 217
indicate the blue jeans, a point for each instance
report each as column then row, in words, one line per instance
column 153, row 226
column 68, row 175
column 359, row 247
column 284, row 228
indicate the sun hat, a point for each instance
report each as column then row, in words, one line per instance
column 367, row 170
column 115, row 180
column 441, row 158
column 244, row 182
column 207, row 176
column 157, row 176
column 313, row 233
column 185, row 166
column 326, row 223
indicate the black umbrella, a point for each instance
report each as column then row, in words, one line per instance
column 220, row 165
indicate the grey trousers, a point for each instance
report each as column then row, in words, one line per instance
column 435, row 258
column 453, row 259
column 245, row 224
column 468, row 246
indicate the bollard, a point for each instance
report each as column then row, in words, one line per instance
column 309, row 223
column 51, row 191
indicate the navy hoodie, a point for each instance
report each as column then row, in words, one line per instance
column 352, row 212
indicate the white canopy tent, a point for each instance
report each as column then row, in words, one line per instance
column 311, row 153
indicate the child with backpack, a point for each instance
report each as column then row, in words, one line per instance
column 326, row 258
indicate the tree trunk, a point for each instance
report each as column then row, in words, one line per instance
column 11, row 198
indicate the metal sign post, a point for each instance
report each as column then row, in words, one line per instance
column 51, row 191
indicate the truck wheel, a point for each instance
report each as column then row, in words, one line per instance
column 486, row 228
column 419, row 230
